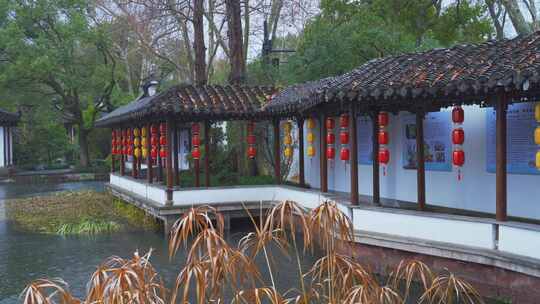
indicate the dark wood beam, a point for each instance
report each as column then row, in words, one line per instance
column 421, row 161
column 501, row 191
column 207, row 152
column 354, row 155
column 8, row 146
column 277, row 153
column 322, row 154
column 159, row 176
column 168, row 160
column 376, row 171
column 133, row 158
column 175, row 156
column 113, row 158
column 149, row 161
column 301, row 173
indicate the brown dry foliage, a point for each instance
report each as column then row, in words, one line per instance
column 213, row 268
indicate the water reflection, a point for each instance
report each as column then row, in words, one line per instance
column 28, row 256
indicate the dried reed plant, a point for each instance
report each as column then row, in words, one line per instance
column 214, row 269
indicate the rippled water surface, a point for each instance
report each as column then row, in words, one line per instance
column 28, row 256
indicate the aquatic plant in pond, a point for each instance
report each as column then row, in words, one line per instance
column 215, row 272
column 81, row 212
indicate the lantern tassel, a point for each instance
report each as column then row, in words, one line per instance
column 384, row 170
column 459, row 175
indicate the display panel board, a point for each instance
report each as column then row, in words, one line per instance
column 365, row 142
column 520, row 146
column 437, row 141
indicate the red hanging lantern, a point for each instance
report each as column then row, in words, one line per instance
column 330, row 124
column 458, row 136
column 330, row 138
column 384, row 138
column 251, row 139
column 458, row 158
column 252, row 152
column 129, row 151
column 344, row 121
column 344, row 137
column 163, row 140
column 458, row 115
column 196, row 153
column 330, row 153
column 384, row 156
column 163, row 128
column 195, row 140
column 153, row 129
column 124, row 133
column 163, row 152
column 195, row 127
column 344, row 154
column 154, row 152
column 154, row 140
column 113, row 134
column 384, row 119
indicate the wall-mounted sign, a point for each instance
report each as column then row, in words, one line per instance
column 437, row 141
column 184, row 150
column 520, row 147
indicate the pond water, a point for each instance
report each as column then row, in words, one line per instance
column 28, row 256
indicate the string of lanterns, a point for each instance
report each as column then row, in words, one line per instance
column 114, row 147
column 310, row 138
column 287, row 139
column 344, row 154
column 163, row 153
column 144, row 142
column 330, row 139
column 384, row 140
column 195, row 140
column 537, row 133
column 154, row 142
column 129, row 142
column 252, row 151
column 458, row 138
column 136, row 143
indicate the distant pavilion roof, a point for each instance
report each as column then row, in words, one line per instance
column 8, row 118
column 194, row 103
column 463, row 74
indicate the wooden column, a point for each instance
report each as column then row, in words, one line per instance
column 277, row 153
column 376, row 173
column 175, row 156
column 354, row 155
column 322, row 155
column 168, row 160
column 501, row 107
column 301, row 173
column 421, row 161
column 5, row 146
column 207, row 153
column 8, row 146
column 122, row 158
column 113, row 159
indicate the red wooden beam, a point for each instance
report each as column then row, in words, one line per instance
column 354, row 156
column 501, row 191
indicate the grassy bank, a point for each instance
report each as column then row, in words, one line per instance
column 83, row 212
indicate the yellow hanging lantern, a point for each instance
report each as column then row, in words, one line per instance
column 537, row 135
column 144, row 152
column 538, row 160
column 310, row 137
column 287, row 139
column 537, row 112
column 137, row 152
column 287, row 127
column 144, row 142
column 136, row 132
column 310, row 123
column 311, row 151
column 143, row 132
column 288, row 152
column 137, row 142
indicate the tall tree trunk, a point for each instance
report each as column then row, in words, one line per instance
column 234, row 22
column 246, row 29
column 198, row 44
column 495, row 11
column 83, row 147
column 517, row 18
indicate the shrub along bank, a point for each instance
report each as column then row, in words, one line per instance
column 82, row 212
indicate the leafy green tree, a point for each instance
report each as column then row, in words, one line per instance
column 54, row 48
